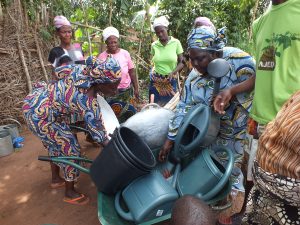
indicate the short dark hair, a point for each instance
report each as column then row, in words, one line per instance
column 55, row 53
column 189, row 210
column 65, row 59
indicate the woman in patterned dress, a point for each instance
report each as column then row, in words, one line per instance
column 204, row 46
column 48, row 108
column 275, row 197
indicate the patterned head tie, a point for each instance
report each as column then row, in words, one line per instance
column 204, row 37
column 101, row 72
column 93, row 72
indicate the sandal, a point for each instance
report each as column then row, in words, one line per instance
column 225, row 221
column 81, row 200
column 57, row 185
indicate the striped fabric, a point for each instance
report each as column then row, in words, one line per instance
column 279, row 146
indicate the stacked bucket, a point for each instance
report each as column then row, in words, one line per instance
column 8, row 134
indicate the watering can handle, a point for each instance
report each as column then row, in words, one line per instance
column 120, row 211
column 78, row 128
column 195, row 143
column 222, row 207
column 225, row 176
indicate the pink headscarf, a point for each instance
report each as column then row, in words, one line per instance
column 60, row 21
column 204, row 21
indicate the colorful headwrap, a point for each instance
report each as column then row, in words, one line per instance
column 108, row 71
column 93, row 72
column 204, row 21
column 110, row 31
column 205, row 38
column 60, row 21
column 160, row 21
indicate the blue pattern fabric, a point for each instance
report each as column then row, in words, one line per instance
column 199, row 89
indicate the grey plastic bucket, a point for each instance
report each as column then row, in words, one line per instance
column 13, row 130
column 6, row 145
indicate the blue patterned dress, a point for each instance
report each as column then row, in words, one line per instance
column 199, row 89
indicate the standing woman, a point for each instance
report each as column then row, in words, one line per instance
column 65, row 33
column 47, row 108
column 234, row 97
column 168, row 61
column 122, row 102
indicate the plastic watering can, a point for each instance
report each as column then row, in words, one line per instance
column 201, row 124
column 199, row 127
column 205, row 176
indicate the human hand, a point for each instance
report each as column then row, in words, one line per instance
column 105, row 143
column 136, row 93
column 171, row 75
column 165, row 150
column 222, row 100
column 166, row 173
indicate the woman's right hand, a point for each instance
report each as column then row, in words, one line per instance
column 165, row 150
column 104, row 143
column 222, row 100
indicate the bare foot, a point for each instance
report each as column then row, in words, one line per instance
column 57, row 183
column 73, row 197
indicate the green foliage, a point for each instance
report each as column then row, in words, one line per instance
column 45, row 34
column 236, row 15
column 5, row 3
column 233, row 14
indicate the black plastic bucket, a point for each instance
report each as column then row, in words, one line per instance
column 125, row 158
column 133, row 155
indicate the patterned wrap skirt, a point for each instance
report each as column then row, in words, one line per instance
column 123, row 104
column 162, row 88
column 274, row 199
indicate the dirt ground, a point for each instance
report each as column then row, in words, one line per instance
column 27, row 199
column 25, row 195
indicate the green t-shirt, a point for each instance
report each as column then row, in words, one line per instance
column 165, row 57
column 277, row 43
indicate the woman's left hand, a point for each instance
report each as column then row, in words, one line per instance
column 171, row 75
column 222, row 100
column 104, row 143
column 136, row 93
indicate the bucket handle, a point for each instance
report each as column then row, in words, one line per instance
column 65, row 160
column 15, row 121
column 225, row 176
column 195, row 143
column 120, row 211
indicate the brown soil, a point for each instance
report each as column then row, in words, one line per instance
column 25, row 195
column 27, row 199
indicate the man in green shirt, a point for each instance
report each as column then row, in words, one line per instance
column 276, row 37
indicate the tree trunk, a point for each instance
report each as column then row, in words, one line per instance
column 110, row 11
column 26, row 16
column 253, row 18
column 1, row 13
column 141, row 39
column 40, row 57
column 21, row 54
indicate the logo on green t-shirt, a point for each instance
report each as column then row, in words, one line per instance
column 268, row 59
